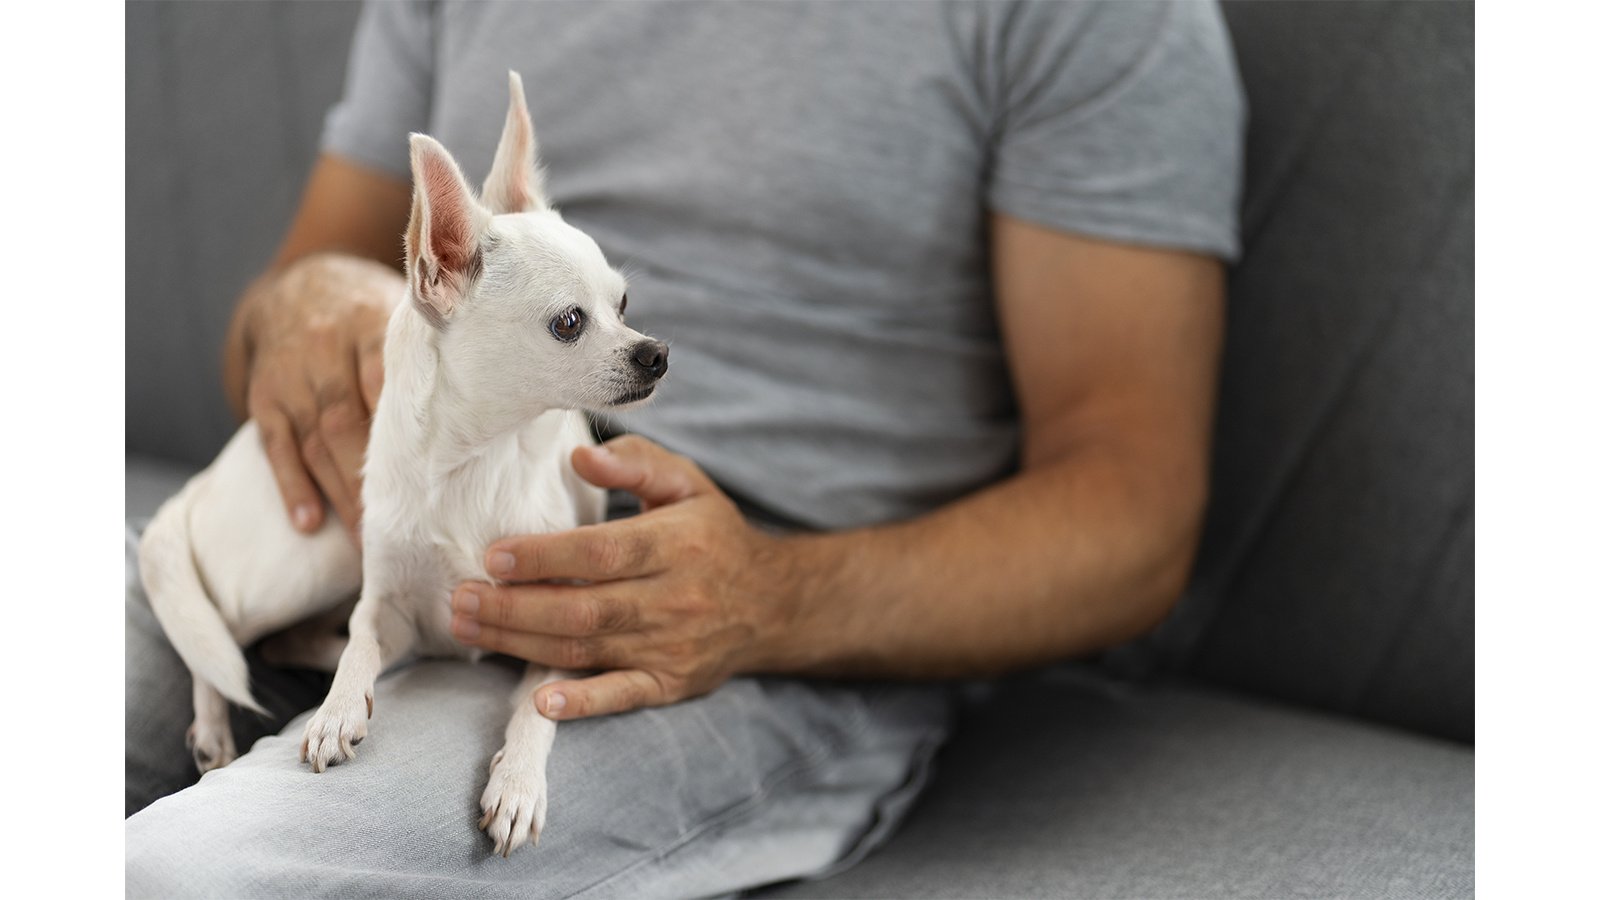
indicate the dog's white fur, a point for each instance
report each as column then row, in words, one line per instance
column 471, row 442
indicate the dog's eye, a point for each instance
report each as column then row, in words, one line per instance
column 621, row 310
column 567, row 326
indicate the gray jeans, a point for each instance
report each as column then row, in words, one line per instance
column 765, row 779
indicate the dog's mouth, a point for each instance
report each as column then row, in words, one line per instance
column 633, row 396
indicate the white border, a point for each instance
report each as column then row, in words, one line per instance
column 1538, row 350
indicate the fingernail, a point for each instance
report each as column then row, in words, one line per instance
column 555, row 702
column 501, row 562
column 466, row 603
column 303, row 515
column 601, row 450
column 466, row 629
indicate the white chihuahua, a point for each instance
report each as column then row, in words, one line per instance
column 513, row 325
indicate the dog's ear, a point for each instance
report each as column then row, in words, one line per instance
column 443, row 241
column 515, row 183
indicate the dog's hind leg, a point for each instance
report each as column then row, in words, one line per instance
column 517, row 797
column 210, row 738
column 379, row 636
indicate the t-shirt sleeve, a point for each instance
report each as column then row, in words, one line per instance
column 388, row 87
column 1123, row 121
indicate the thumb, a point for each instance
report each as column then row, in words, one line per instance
column 642, row 468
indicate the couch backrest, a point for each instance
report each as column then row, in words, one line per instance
column 1337, row 567
column 224, row 108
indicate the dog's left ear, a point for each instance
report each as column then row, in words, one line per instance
column 515, row 183
column 444, row 242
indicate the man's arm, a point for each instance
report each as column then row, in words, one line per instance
column 304, row 352
column 1114, row 353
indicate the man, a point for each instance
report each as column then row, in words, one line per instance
column 944, row 288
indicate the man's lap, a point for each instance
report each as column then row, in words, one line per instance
column 762, row 780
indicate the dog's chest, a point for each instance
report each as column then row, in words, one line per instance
column 443, row 540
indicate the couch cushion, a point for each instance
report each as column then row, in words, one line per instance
column 224, row 107
column 151, row 481
column 1337, row 563
column 1067, row 786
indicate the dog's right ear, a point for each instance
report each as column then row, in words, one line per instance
column 515, row 183
column 443, row 241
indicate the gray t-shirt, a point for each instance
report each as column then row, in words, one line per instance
column 798, row 193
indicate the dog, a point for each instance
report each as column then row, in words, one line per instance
column 512, row 327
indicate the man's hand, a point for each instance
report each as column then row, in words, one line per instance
column 314, row 335
column 676, row 598
column 304, row 354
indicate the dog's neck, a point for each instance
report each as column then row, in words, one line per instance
column 425, row 423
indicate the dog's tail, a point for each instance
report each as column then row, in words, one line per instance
column 179, row 599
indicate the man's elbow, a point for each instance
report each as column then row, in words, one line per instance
column 1167, row 564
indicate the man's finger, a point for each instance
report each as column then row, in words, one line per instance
column 318, row 459
column 299, row 401
column 342, row 421
column 369, row 363
column 642, row 468
column 553, row 609
column 300, row 496
column 544, row 649
column 602, row 695
column 621, row 549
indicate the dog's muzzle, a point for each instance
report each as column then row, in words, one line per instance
column 648, row 362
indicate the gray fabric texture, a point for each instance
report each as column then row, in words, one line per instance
column 763, row 780
column 1338, row 557
column 800, row 194
column 1074, row 786
column 149, row 482
column 224, row 108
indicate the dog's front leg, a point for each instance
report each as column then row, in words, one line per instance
column 378, row 637
column 210, row 738
column 517, row 797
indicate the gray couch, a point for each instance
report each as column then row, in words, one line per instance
column 1303, row 724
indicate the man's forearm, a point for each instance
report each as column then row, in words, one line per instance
column 1063, row 559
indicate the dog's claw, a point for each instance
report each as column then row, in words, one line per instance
column 332, row 734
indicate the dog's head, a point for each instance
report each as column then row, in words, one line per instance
column 528, row 312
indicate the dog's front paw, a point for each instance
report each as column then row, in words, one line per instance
column 212, row 745
column 336, row 729
column 514, row 803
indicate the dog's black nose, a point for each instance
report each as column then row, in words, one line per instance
column 651, row 358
